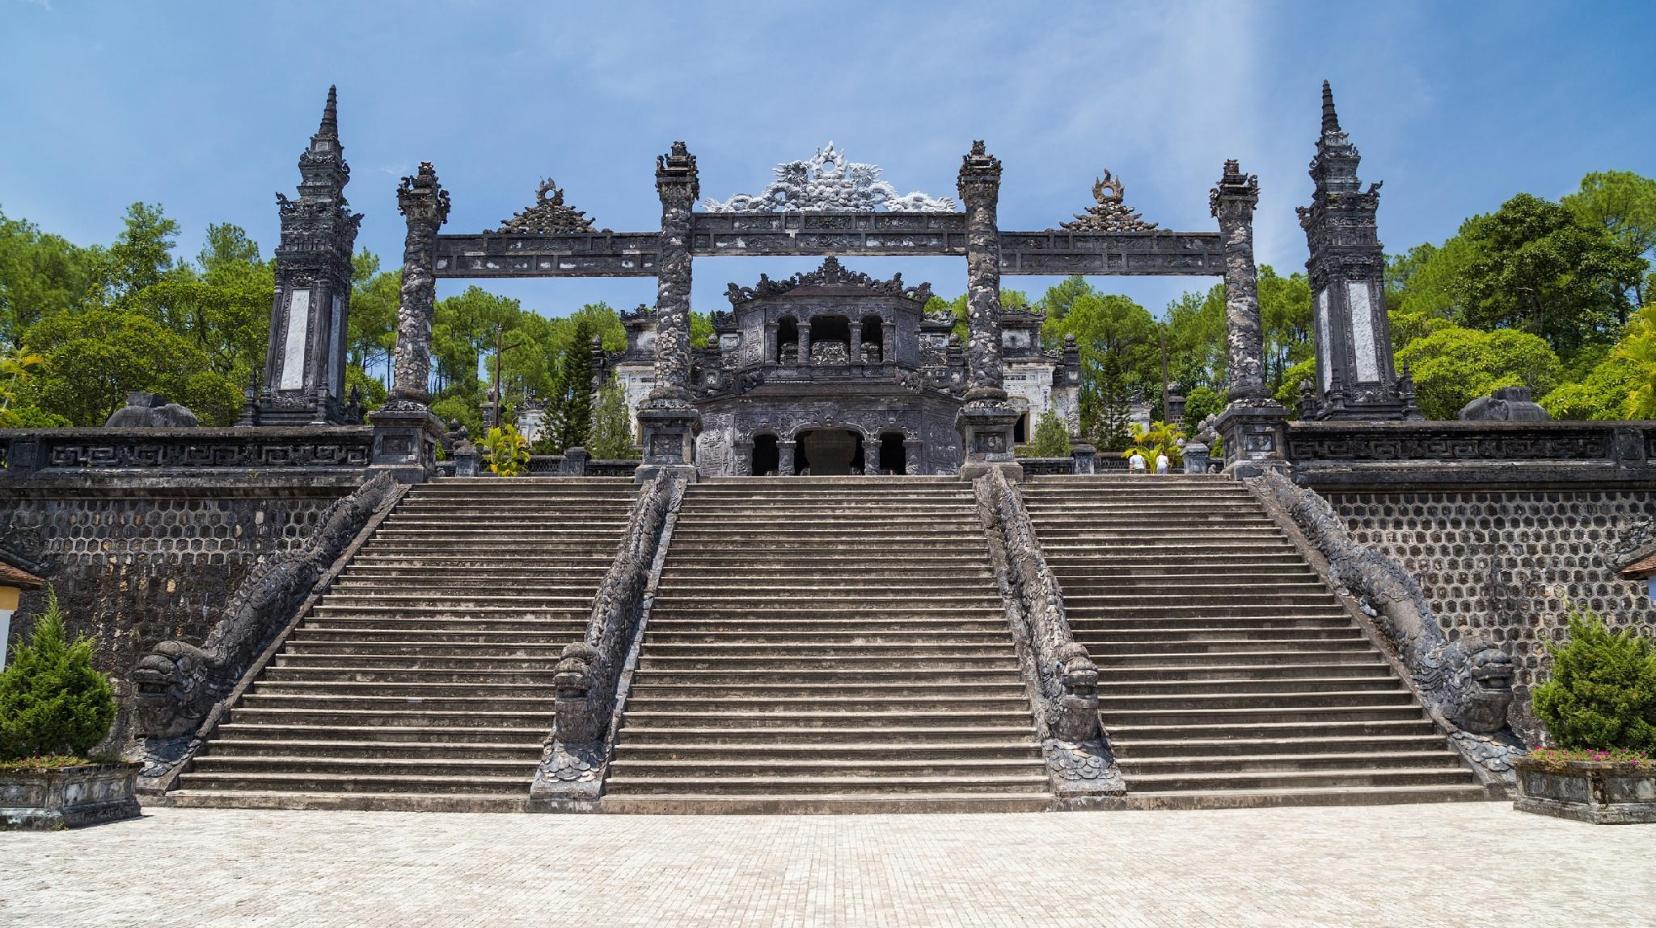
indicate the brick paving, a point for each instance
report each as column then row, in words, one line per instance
column 1427, row 865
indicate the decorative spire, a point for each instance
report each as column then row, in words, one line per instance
column 1330, row 119
column 549, row 215
column 1110, row 213
column 330, row 115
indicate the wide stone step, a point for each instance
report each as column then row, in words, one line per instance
column 396, row 718
column 412, row 675
column 684, row 575
column 823, row 610
column 1182, row 570
column 355, row 783
column 1141, row 749
column 857, row 662
column 506, row 639
column 779, row 801
column 214, row 765
column 928, row 704
column 525, row 751
column 785, row 650
column 1112, row 703
column 881, row 678
column 414, row 627
column 1133, row 735
column 656, row 688
column 500, row 600
column 1031, row 782
column 1210, row 798
column 1255, row 667
column 427, row 649
column 402, row 689
column 806, row 588
column 288, row 698
column 382, row 660
column 1189, row 601
column 329, row 611
column 430, row 558
column 285, row 731
column 906, row 736
column 1233, row 623
column 1440, row 759
column 1290, row 779
column 1110, row 646
column 899, row 765
column 1192, row 632
column 888, row 624
column 1301, row 714
column 862, row 718
column 809, row 753
column 1174, row 689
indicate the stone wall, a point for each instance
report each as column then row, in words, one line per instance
column 1510, row 562
column 134, row 566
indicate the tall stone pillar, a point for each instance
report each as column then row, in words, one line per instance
column 304, row 373
column 405, row 432
column 985, row 422
column 1356, row 377
column 1253, row 423
column 668, row 418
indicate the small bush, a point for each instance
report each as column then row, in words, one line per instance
column 52, row 700
column 505, row 451
column 1602, row 692
column 1558, row 759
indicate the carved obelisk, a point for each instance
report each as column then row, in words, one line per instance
column 304, row 372
column 1253, row 424
column 668, row 419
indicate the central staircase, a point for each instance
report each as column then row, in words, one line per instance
column 423, row 678
column 827, row 645
column 1229, row 673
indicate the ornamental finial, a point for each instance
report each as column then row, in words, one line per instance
column 1330, row 118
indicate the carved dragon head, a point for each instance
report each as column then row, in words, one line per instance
column 1479, row 689
column 171, row 689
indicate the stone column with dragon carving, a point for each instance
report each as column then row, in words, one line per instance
column 668, row 418
column 406, row 433
column 1253, row 424
column 986, row 421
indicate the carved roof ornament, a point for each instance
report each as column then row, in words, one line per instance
column 830, row 274
column 830, row 183
column 549, row 215
column 1110, row 213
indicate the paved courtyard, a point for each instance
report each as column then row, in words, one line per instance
column 1436, row 866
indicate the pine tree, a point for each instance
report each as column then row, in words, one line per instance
column 571, row 409
column 52, row 700
column 612, row 435
column 1051, row 437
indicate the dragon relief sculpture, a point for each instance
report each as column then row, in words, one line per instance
column 1065, row 679
column 1467, row 682
column 831, row 275
column 588, row 672
column 549, row 215
column 828, row 182
column 177, row 683
column 1110, row 213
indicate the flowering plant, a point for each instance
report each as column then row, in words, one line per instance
column 1557, row 759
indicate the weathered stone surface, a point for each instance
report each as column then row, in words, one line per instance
column 1232, row 202
column 1508, row 404
column 67, row 797
column 425, row 205
column 1598, row 792
column 177, row 683
column 150, row 411
column 1110, row 213
column 830, row 183
column 979, row 185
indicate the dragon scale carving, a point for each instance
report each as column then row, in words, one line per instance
column 829, row 182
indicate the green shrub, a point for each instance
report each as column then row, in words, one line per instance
column 505, row 451
column 52, row 700
column 1602, row 692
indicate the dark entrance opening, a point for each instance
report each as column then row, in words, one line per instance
column 767, row 459
column 1020, row 429
column 828, row 453
column 873, row 344
column 787, row 341
column 893, row 458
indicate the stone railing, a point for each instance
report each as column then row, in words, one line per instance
column 1060, row 675
column 30, row 453
column 592, row 673
column 182, row 690
column 1354, row 454
column 1465, row 684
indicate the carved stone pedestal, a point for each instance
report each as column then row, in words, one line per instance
column 669, row 440
column 405, row 441
column 986, row 430
column 1255, row 434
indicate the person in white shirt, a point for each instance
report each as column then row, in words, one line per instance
column 1162, row 464
column 1136, row 463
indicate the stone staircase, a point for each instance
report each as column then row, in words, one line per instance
column 1229, row 673
column 827, row 645
column 422, row 680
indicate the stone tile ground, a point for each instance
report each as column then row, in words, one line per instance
column 1437, row 866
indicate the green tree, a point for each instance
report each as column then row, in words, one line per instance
column 1538, row 269
column 371, row 329
column 1602, row 690
column 142, row 254
column 612, row 432
column 1196, row 346
column 570, row 408
column 1624, row 204
column 42, row 275
column 1159, row 439
column 1454, row 366
column 1058, row 299
column 95, row 358
column 1285, row 314
column 1423, row 288
column 1202, row 402
column 1051, row 439
column 1288, row 393
column 53, row 702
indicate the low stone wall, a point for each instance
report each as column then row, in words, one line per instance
column 1509, row 562
column 144, row 533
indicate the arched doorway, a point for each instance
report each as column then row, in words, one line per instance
column 828, row 453
column 767, row 458
column 893, row 454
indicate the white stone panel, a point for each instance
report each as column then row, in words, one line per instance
column 1323, row 356
column 1362, row 331
column 293, row 349
column 336, row 336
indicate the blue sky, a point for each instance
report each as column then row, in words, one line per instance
column 205, row 106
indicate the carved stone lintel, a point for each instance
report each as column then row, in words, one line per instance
column 829, row 183
column 549, row 215
column 1110, row 213
column 831, row 275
